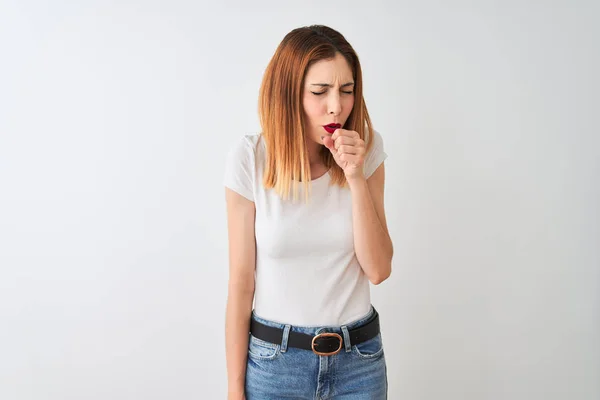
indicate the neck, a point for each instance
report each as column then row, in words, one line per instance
column 314, row 150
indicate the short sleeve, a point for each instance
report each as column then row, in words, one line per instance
column 375, row 156
column 239, row 168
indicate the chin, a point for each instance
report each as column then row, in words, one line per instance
column 316, row 139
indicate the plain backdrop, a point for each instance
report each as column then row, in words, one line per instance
column 115, row 120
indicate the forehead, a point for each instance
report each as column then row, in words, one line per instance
column 332, row 71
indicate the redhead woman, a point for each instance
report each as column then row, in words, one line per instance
column 307, row 232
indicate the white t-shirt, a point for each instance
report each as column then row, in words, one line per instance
column 307, row 273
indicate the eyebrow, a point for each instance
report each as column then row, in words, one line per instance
column 329, row 85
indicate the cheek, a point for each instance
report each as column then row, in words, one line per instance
column 312, row 107
column 348, row 105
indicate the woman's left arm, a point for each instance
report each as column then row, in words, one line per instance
column 372, row 242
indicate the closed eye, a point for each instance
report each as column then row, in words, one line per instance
column 320, row 93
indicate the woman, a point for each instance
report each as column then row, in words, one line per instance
column 307, row 232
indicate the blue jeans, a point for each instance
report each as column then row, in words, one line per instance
column 276, row 371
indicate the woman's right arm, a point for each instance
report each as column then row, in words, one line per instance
column 242, row 264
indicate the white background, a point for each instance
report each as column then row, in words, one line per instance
column 115, row 119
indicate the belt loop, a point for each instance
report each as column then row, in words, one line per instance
column 346, row 338
column 284, row 338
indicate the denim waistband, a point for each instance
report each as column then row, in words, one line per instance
column 314, row 330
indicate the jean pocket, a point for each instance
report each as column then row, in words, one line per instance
column 372, row 348
column 260, row 350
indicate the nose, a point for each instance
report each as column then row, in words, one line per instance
column 334, row 106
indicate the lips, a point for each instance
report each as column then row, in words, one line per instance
column 330, row 128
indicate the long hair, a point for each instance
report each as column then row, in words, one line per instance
column 281, row 112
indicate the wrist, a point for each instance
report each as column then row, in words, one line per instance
column 237, row 394
column 235, row 389
column 356, row 181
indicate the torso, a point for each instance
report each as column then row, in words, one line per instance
column 307, row 273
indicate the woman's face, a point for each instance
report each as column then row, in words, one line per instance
column 328, row 96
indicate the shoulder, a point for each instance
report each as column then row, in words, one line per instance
column 376, row 138
column 246, row 143
column 376, row 154
column 244, row 149
column 240, row 167
column 252, row 139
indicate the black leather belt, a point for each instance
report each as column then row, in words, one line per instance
column 323, row 344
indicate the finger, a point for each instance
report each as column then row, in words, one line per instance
column 329, row 143
column 343, row 132
column 346, row 149
column 351, row 158
column 344, row 140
